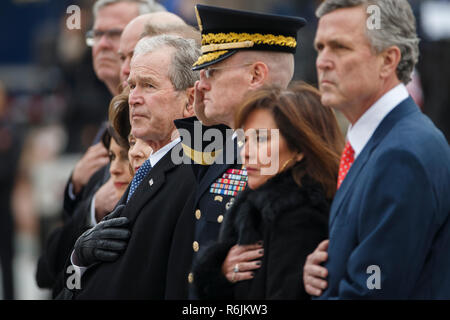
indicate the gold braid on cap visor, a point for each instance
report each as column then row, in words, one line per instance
column 232, row 40
column 257, row 38
column 209, row 57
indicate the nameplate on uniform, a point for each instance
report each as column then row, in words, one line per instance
column 230, row 183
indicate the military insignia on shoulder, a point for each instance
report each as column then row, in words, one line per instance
column 230, row 183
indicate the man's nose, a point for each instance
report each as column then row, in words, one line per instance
column 203, row 84
column 104, row 42
column 323, row 61
column 135, row 97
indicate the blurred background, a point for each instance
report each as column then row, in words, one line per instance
column 51, row 105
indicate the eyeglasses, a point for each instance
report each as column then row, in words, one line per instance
column 94, row 36
column 209, row 72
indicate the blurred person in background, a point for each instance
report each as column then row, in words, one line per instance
column 434, row 63
column 286, row 209
column 110, row 19
column 11, row 141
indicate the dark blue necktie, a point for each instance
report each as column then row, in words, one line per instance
column 138, row 177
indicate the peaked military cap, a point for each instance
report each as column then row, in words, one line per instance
column 226, row 31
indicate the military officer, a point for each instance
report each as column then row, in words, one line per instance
column 241, row 51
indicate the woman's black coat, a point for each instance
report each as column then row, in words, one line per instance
column 291, row 221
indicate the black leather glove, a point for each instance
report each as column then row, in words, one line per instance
column 105, row 242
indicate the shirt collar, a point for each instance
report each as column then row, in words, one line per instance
column 156, row 156
column 361, row 132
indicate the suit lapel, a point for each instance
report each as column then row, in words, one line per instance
column 403, row 109
column 149, row 186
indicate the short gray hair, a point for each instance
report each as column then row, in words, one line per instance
column 144, row 6
column 185, row 54
column 398, row 28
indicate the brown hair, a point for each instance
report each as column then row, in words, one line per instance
column 307, row 126
column 109, row 133
column 118, row 115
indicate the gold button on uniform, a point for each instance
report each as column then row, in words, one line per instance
column 220, row 219
column 190, row 277
column 198, row 214
column 195, row 246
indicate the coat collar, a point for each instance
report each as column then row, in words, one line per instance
column 402, row 110
column 255, row 208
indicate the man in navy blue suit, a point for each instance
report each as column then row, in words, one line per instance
column 389, row 222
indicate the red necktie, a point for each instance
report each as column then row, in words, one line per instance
column 347, row 158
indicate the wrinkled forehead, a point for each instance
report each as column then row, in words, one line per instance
column 151, row 64
column 158, row 56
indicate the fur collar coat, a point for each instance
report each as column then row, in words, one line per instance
column 290, row 220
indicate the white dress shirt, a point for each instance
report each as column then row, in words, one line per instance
column 360, row 133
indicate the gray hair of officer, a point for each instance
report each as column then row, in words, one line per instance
column 185, row 54
column 397, row 28
column 144, row 6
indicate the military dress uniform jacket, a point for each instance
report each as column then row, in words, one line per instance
column 154, row 211
column 216, row 187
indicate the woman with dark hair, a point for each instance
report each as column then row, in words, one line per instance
column 285, row 207
column 119, row 165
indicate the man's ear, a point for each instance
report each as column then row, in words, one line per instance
column 188, row 110
column 259, row 74
column 390, row 59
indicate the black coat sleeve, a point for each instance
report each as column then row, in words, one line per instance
column 59, row 246
column 69, row 204
column 98, row 178
column 294, row 235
